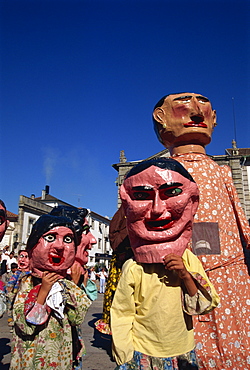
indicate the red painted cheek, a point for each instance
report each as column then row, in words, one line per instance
column 138, row 211
column 207, row 112
column 180, row 111
column 177, row 207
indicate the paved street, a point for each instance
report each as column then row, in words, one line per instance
column 98, row 346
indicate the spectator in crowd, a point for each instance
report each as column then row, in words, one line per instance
column 11, row 260
column 102, row 276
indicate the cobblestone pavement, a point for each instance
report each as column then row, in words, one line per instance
column 98, row 346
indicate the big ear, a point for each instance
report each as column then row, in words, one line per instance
column 214, row 118
column 158, row 115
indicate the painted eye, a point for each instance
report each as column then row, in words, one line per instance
column 201, row 101
column 172, row 192
column 49, row 238
column 141, row 195
column 2, row 220
column 68, row 239
column 85, row 229
column 183, row 99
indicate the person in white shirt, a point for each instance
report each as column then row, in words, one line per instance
column 11, row 259
column 102, row 275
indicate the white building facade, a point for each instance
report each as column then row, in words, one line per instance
column 31, row 208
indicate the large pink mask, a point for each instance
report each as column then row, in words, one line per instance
column 87, row 240
column 3, row 222
column 54, row 252
column 159, row 205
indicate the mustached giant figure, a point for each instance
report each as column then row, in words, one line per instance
column 184, row 123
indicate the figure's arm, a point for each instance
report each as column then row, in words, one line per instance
column 36, row 309
column 122, row 317
column 206, row 298
column 25, row 301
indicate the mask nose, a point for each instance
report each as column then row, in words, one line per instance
column 196, row 113
column 58, row 244
column 158, row 207
column 92, row 240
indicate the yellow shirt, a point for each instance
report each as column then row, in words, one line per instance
column 151, row 314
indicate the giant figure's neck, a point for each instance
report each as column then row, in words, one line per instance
column 187, row 148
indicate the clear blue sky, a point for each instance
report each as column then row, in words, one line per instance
column 79, row 80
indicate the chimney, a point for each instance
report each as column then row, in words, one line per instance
column 32, row 196
column 123, row 159
column 43, row 195
column 47, row 189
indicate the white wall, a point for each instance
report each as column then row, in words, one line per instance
column 27, row 219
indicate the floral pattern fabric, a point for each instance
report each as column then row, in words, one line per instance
column 48, row 345
column 141, row 361
column 223, row 336
column 11, row 290
column 103, row 325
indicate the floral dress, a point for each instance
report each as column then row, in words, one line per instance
column 45, row 341
column 223, row 336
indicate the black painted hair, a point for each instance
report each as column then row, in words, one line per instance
column 159, row 104
column 161, row 162
column 46, row 223
column 2, row 204
column 76, row 215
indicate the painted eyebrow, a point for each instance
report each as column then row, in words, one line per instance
column 138, row 188
column 170, row 185
column 56, row 233
column 190, row 96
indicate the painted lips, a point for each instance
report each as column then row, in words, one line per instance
column 195, row 124
column 159, row 225
column 56, row 260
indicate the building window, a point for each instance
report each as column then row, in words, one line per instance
column 30, row 225
column 99, row 243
